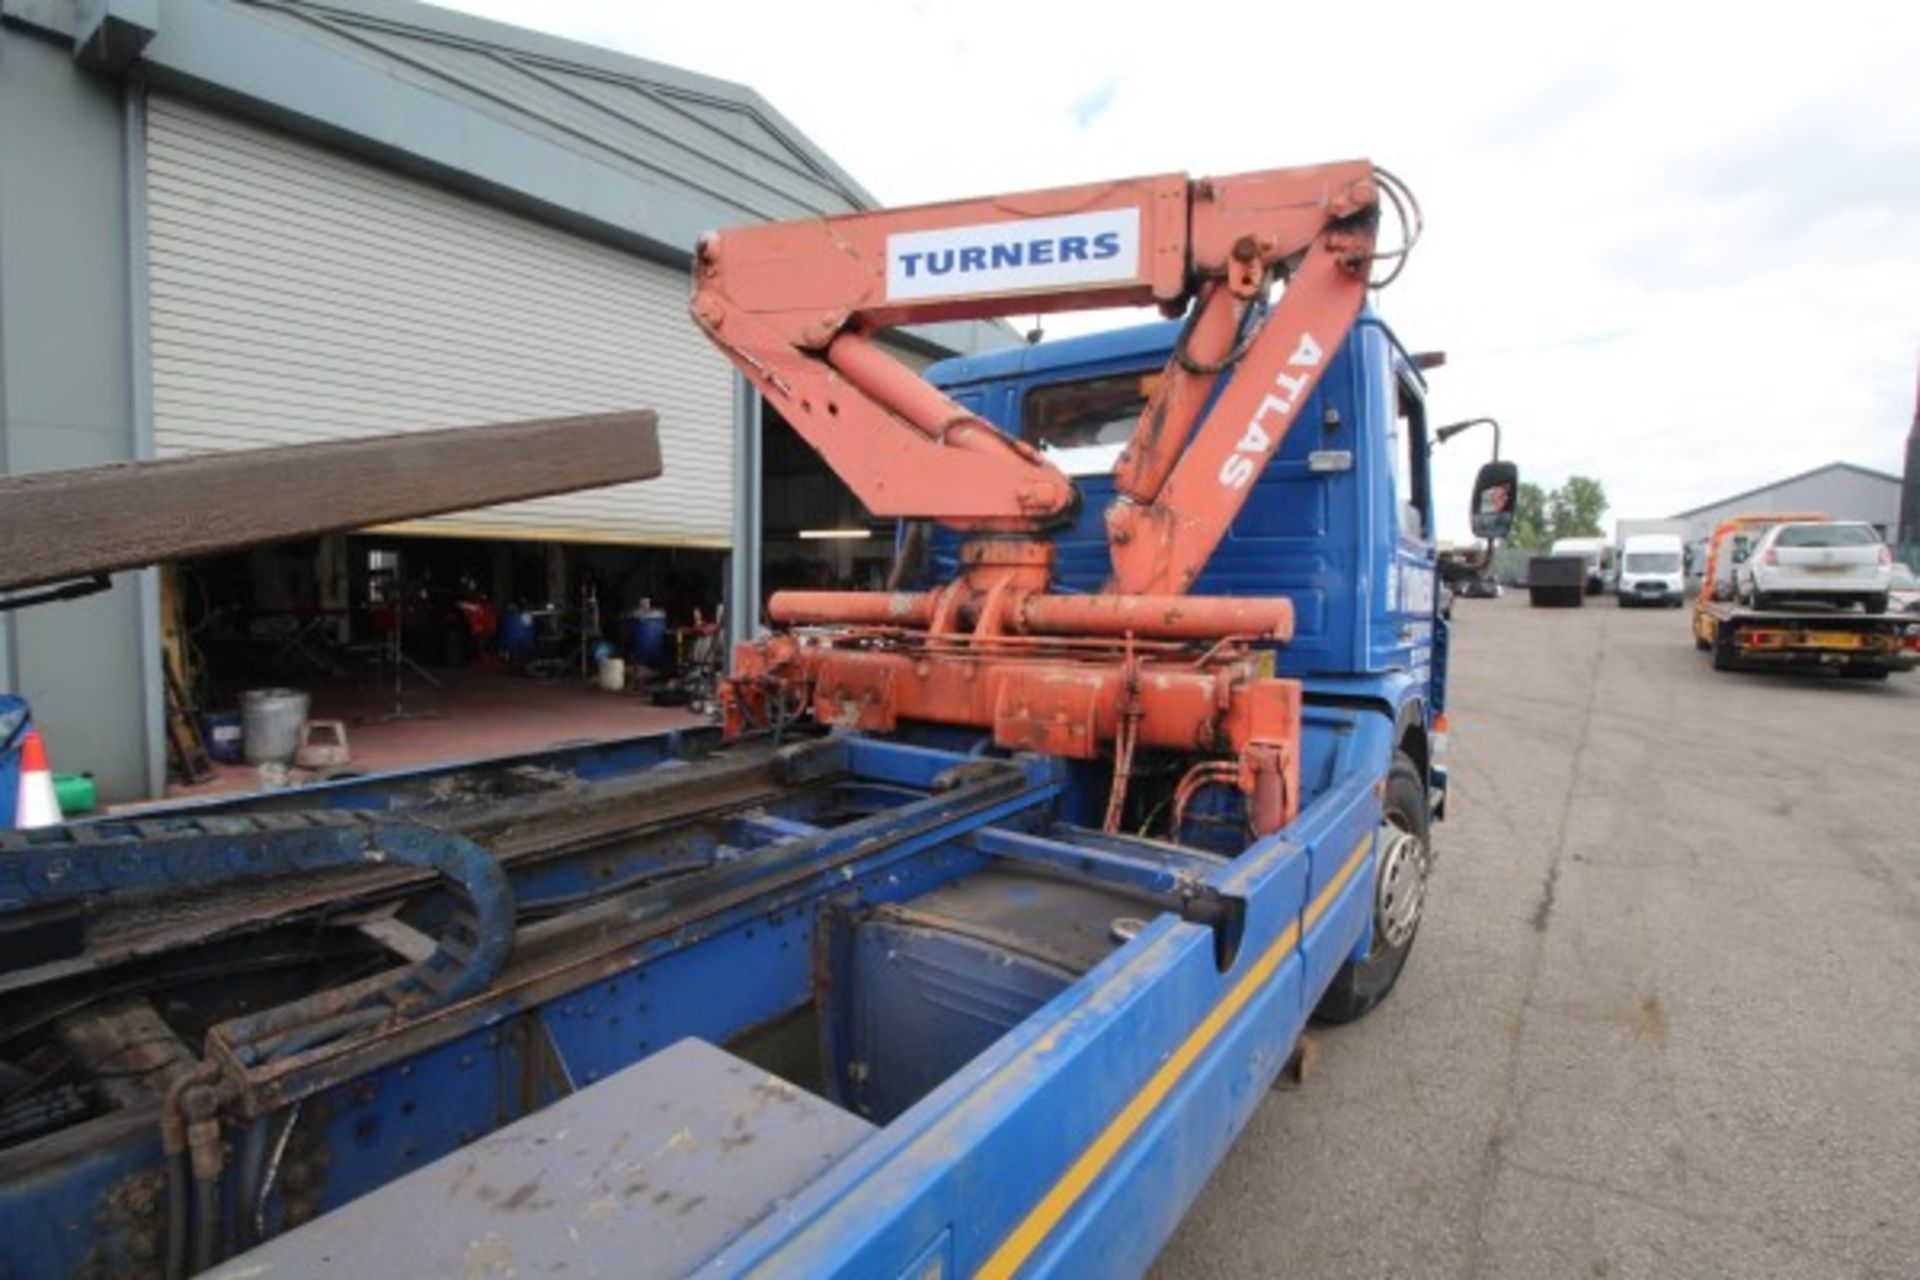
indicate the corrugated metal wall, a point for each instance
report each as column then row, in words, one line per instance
column 301, row 295
column 1841, row 492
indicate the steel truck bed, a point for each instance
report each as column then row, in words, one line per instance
column 1042, row 1037
column 1863, row 645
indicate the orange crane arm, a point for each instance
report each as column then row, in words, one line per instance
column 794, row 305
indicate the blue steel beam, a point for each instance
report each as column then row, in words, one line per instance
column 1167, row 871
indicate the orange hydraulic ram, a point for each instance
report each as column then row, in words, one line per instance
column 1049, row 704
column 1146, row 617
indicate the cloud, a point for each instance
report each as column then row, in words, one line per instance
column 1093, row 104
column 1685, row 264
column 1539, row 112
column 1812, row 188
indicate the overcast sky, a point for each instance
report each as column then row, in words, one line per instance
column 1675, row 247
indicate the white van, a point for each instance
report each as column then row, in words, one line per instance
column 1653, row 570
column 1595, row 552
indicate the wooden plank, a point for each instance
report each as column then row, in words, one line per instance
column 56, row 526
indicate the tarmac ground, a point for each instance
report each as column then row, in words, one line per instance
column 1663, row 1015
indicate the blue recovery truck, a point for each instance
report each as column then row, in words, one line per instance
column 812, row 1003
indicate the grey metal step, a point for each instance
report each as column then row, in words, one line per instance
column 650, row 1172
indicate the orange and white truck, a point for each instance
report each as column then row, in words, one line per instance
column 1863, row 646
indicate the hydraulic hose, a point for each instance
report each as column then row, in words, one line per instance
column 206, row 1208
column 177, row 1215
column 174, row 1147
column 252, row 1169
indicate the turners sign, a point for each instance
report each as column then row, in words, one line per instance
column 1014, row 257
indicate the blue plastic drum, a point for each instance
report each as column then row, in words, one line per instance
column 647, row 637
column 515, row 634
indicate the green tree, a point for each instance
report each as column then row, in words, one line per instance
column 1575, row 508
column 1529, row 518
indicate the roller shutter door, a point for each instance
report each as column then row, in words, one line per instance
column 298, row 294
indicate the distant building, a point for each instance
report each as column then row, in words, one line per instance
column 1625, row 528
column 1843, row 490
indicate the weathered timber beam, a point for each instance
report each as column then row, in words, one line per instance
column 59, row 525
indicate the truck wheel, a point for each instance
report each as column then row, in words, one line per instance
column 1725, row 656
column 1876, row 603
column 1402, row 857
column 1865, row 673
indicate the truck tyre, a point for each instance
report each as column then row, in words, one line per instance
column 1876, row 603
column 1865, row 673
column 1403, row 854
column 1725, row 656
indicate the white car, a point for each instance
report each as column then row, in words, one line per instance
column 1837, row 562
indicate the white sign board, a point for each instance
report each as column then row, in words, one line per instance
column 1014, row 257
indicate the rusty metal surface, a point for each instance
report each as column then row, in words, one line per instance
column 1151, row 617
column 127, row 1048
column 1072, row 701
column 60, row 525
column 1083, row 677
column 101, row 1179
column 648, row 1173
column 182, row 853
column 548, row 822
column 608, row 937
column 1062, row 922
column 292, row 1056
column 127, row 1240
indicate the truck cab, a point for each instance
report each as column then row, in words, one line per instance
column 1341, row 521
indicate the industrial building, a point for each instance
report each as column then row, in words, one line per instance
column 231, row 225
column 1843, row 490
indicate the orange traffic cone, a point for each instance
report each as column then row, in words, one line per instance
column 38, row 806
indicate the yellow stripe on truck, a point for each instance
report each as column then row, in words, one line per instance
column 1064, row 1194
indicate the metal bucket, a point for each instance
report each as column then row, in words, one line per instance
column 271, row 720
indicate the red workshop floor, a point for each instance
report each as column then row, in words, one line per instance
column 474, row 713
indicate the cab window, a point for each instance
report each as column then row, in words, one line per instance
column 1091, row 411
column 1408, row 445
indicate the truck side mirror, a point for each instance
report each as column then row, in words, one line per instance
column 1495, row 491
